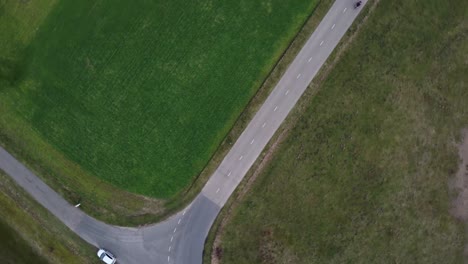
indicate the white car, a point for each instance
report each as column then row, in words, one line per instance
column 106, row 256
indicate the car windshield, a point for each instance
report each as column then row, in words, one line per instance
column 105, row 256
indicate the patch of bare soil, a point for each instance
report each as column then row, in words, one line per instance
column 460, row 186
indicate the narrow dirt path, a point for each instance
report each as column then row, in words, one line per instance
column 459, row 185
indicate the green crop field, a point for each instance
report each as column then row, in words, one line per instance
column 137, row 93
column 363, row 177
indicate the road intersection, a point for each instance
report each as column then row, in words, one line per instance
column 181, row 238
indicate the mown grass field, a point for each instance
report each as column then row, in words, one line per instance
column 140, row 94
column 363, row 176
column 30, row 234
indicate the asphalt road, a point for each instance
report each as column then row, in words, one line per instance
column 180, row 239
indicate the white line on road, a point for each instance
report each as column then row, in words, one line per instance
column 321, row 43
column 179, row 221
column 309, row 59
column 168, row 258
column 229, row 174
column 241, row 157
column 286, row 93
column 170, row 248
column 333, row 26
column 276, row 108
column 344, row 10
column 251, row 142
column 299, row 75
column 172, row 238
column 264, row 124
column 217, row 191
column 184, row 212
column 175, row 229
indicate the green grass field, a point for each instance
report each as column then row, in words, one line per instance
column 140, row 94
column 363, row 176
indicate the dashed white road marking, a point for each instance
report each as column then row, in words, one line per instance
column 333, row 26
column 264, row 124
column 175, row 229
column 344, row 10
column 251, row 142
column 170, row 248
column 321, row 43
column 168, row 258
column 309, row 59
column 286, row 93
column 298, row 76
column 241, row 157
column 179, row 221
column 229, row 174
column 276, row 108
column 217, row 191
column 172, row 238
column 184, row 212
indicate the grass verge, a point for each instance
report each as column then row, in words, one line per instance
column 30, row 234
column 362, row 177
column 13, row 249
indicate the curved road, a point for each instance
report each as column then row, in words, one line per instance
column 180, row 239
